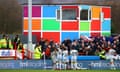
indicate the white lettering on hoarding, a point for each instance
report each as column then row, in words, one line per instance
column 6, row 65
column 31, row 64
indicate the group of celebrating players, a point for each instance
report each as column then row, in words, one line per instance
column 63, row 59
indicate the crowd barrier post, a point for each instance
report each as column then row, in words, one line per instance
column 44, row 61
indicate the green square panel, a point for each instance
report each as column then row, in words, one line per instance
column 84, row 26
column 50, row 24
column 106, row 33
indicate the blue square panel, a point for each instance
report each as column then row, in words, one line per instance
column 70, row 35
column 84, row 7
column 106, row 25
column 85, row 34
column 50, row 10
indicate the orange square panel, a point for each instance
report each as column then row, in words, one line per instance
column 95, row 12
column 25, row 26
column 36, row 24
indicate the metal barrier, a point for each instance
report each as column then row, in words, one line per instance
column 11, row 54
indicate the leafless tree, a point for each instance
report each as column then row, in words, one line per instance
column 10, row 17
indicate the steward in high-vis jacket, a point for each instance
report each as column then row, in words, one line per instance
column 21, row 50
column 20, row 47
column 102, row 54
column 38, row 52
column 6, row 43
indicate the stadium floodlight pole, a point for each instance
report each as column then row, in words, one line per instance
column 30, row 24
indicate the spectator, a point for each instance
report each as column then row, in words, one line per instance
column 75, row 45
column 42, row 43
column 48, row 52
column 67, row 42
column 16, row 41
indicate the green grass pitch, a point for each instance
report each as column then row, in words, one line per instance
column 58, row 70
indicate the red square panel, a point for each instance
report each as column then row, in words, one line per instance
column 52, row 35
column 70, row 25
column 95, row 25
column 107, row 12
column 94, row 34
column 37, row 34
column 71, row 7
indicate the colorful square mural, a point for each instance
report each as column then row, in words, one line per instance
column 58, row 22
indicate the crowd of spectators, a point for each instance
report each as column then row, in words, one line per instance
column 95, row 46
column 85, row 46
